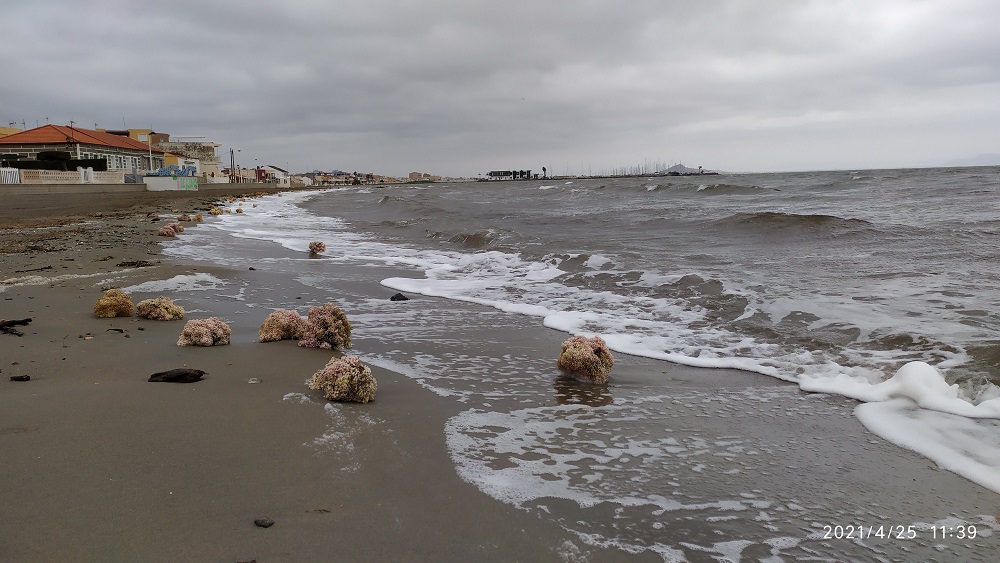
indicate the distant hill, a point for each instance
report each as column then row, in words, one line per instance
column 992, row 159
column 683, row 170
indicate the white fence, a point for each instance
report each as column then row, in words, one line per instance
column 78, row 176
column 10, row 176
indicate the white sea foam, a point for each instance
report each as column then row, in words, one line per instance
column 184, row 282
column 47, row 280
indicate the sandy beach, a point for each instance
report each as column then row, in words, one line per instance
column 101, row 465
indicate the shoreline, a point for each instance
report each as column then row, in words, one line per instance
column 100, row 464
column 105, row 465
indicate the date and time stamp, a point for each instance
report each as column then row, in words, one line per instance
column 898, row 532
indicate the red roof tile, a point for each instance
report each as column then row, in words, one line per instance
column 59, row 134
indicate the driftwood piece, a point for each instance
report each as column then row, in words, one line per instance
column 7, row 327
column 19, row 322
column 33, row 270
column 179, row 375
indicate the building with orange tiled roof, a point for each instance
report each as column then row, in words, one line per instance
column 4, row 131
column 121, row 153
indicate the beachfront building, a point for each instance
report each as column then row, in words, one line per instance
column 509, row 175
column 273, row 175
column 121, row 153
column 423, row 177
column 209, row 164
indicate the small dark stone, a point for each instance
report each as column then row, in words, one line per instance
column 264, row 522
column 180, row 375
column 20, row 378
column 399, row 297
column 252, row 269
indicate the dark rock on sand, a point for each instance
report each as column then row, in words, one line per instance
column 264, row 522
column 180, row 375
column 136, row 264
column 20, row 378
column 399, row 297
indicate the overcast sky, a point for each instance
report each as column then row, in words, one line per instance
column 461, row 87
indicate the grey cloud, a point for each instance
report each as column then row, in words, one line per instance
column 452, row 87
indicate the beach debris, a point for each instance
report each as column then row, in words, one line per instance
column 119, row 330
column 317, row 247
column 114, row 303
column 198, row 218
column 399, row 297
column 170, row 230
column 586, row 359
column 159, row 309
column 20, row 378
column 252, row 269
column 184, row 217
column 214, row 211
column 326, row 327
column 239, row 210
column 179, row 375
column 135, row 264
column 345, row 379
column 7, row 327
column 212, row 331
column 104, row 259
column 318, row 511
column 282, row 324
column 253, row 380
column 263, row 522
column 33, row 270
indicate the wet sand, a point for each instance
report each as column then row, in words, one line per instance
column 99, row 464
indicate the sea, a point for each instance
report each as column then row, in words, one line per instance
column 868, row 296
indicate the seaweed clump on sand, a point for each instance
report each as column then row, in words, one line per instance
column 159, row 309
column 170, row 230
column 212, row 331
column 326, row 327
column 282, row 324
column 114, row 303
column 316, row 247
column 586, row 359
column 345, row 379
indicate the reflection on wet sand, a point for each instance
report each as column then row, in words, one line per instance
column 572, row 392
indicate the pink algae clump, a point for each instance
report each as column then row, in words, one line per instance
column 212, row 331
column 316, row 247
column 586, row 359
column 114, row 303
column 345, row 379
column 170, row 230
column 326, row 327
column 159, row 309
column 282, row 324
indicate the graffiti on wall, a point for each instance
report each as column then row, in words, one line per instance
column 174, row 170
